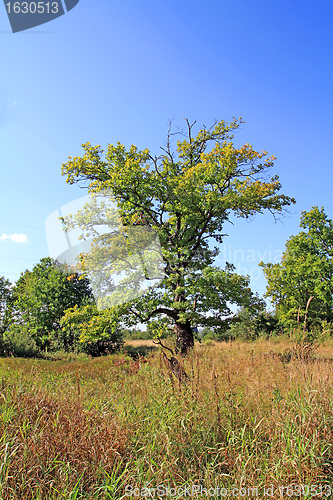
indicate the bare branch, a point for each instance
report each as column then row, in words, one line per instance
column 164, row 346
column 159, row 310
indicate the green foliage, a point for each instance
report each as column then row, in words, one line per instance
column 306, row 270
column 187, row 195
column 19, row 342
column 268, row 324
column 91, row 331
column 136, row 352
column 5, row 309
column 207, row 334
column 249, row 325
column 159, row 329
column 139, row 335
column 242, row 326
column 130, row 333
column 41, row 296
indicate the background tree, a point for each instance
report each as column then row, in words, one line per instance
column 186, row 195
column 249, row 325
column 5, row 309
column 91, row 331
column 41, row 296
column 306, row 270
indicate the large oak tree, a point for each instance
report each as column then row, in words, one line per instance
column 186, row 194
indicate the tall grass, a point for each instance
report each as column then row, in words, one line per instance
column 89, row 429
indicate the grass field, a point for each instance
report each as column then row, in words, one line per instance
column 247, row 418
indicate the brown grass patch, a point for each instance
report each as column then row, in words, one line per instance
column 54, row 445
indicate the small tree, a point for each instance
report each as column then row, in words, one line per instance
column 41, row 296
column 187, row 195
column 5, row 309
column 249, row 325
column 301, row 286
column 91, row 331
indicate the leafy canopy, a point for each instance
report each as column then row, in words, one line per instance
column 306, row 270
column 248, row 326
column 42, row 295
column 5, row 308
column 187, row 195
column 91, row 331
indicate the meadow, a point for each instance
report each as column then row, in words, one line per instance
column 248, row 418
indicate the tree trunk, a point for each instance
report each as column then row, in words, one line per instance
column 184, row 337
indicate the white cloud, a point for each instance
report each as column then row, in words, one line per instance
column 17, row 238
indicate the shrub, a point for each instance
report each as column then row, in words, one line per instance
column 208, row 334
column 101, row 347
column 85, row 329
column 249, row 326
column 140, row 335
column 18, row 341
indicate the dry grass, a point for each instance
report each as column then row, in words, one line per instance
column 139, row 343
column 51, row 443
column 86, row 429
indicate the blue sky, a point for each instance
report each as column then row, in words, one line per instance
column 109, row 71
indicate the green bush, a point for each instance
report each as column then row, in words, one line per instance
column 19, row 342
column 101, row 347
column 68, row 340
column 247, row 325
column 208, row 334
column 85, row 329
column 140, row 335
column 138, row 351
column 220, row 334
column 207, row 341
